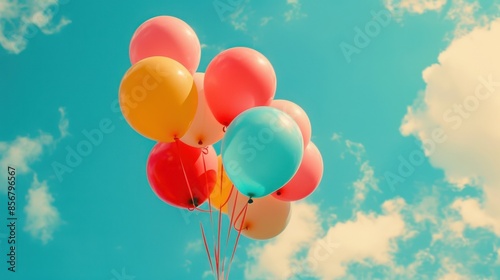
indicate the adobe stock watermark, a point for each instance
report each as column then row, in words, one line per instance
column 226, row 7
column 94, row 137
column 455, row 116
column 364, row 36
column 121, row 276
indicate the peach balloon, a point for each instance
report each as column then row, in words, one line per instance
column 205, row 129
column 169, row 37
column 297, row 114
column 266, row 217
column 307, row 178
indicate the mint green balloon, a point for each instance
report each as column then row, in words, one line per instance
column 261, row 151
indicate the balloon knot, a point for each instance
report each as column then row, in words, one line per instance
column 200, row 142
column 194, row 202
column 224, row 129
column 250, row 201
column 278, row 193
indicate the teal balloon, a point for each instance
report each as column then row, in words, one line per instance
column 261, row 151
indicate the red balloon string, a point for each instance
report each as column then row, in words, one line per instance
column 185, row 175
column 205, row 152
column 237, row 239
column 231, row 224
column 206, row 247
column 227, row 200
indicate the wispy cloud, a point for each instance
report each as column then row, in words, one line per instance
column 294, row 11
column 265, row 20
column 63, row 123
column 194, row 246
column 24, row 151
column 42, row 217
column 367, row 180
column 239, row 18
column 21, row 20
column 452, row 270
column 21, row 153
column 465, row 14
column 399, row 7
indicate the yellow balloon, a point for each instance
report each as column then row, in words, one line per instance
column 220, row 195
column 158, row 98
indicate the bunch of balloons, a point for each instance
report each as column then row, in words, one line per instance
column 267, row 159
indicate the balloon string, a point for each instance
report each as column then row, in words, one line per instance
column 199, row 210
column 205, row 152
column 237, row 240
column 217, row 249
column 185, row 175
column 206, row 247
column 230, row 226
column 229, row 196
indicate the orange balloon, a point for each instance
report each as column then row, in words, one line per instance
column 158, row 98
column 266, row 216
column 222, row 189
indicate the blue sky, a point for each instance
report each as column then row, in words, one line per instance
column 388, row 206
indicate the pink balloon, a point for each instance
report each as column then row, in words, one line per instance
column 266, row 217
column 238, row 79
column 166, row 36
column 298, row 114
column 205, row 129
column 307, row 178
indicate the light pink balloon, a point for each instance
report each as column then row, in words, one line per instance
column 238, row 79
column 166, row 36
column 266, row 217
column 307, row 178
column 298, row 114
column 205, row 129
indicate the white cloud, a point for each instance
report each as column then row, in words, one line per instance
column 367, row 180
column 265, row 20
column 21, row 153
column 451, row 270
column 239, row 18
column 364, row 184
column 457, row 118
column 368, row 237
column 194, row 246
column 21, row 20
column 398, row 7
column 475, row 216
column 295, row 10
column 42, row 218
column 63, row 123
column 275, row 259
column 426, row 210
column 463, row 13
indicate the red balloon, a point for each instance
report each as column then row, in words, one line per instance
column 238, row 79
column 307, row 178
column 168, row 180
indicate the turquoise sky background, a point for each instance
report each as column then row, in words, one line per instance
column 102, row 221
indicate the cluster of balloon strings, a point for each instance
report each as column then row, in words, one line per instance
column 267, row 157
